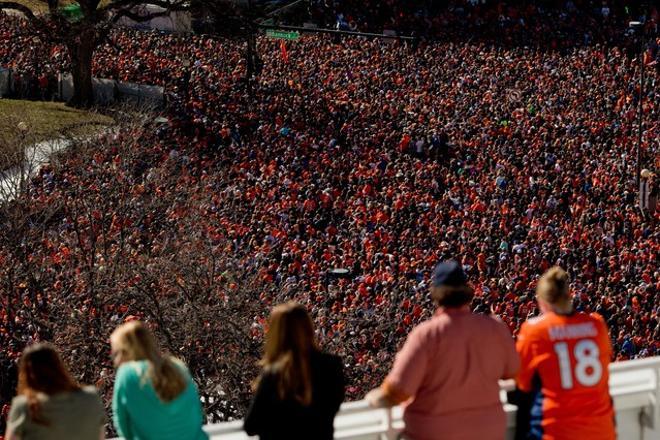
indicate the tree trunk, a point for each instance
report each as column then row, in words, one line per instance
column 81, row 52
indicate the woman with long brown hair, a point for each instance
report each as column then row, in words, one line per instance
column 154, row 395
column 50, row 404
column 300, row 388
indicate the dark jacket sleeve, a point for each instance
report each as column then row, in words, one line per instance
column 525, row 402
column 339, row 382
column 256, row 419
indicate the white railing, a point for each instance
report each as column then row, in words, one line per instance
column 634, row 386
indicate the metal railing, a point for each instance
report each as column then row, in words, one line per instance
column 634, row 386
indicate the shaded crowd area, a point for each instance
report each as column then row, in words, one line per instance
column 509, row 154
column 557, row 20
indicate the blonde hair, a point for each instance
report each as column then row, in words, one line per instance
column 138, row 343
column 553, row 289
column 289, row 344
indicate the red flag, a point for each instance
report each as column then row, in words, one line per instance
column 285, row 54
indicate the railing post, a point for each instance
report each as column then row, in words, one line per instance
column 656, row 404
column 390, row 434
column 650, row 414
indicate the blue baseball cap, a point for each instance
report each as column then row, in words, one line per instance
column 448, row 273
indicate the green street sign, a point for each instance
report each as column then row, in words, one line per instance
column 72, row 12
column 284, row 35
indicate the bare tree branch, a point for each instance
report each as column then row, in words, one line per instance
column 19, row 7
column 139, row 18
column 175, row 5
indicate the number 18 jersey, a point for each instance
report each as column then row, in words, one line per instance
column 564, row 364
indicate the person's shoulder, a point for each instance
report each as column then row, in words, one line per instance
column 131, row 367
column 329, row 359
column 534, row 325
column 90, row 397
column 488, row 319
column 18, row 413
column 325, row 356
column 90, row 393
column 268, row 375
column 581, row 317
column 430, row 330
column 536, row 321
column 19, row 403
column 491, row 322
column 428, row 327
column 596, row 317
column 131, row 371
column 328, row 366
column 178, row 363
column 598, row 320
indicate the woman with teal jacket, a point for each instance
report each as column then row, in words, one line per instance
column 154, row 395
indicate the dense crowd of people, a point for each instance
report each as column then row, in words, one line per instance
column 562, row 21
column 354, row 166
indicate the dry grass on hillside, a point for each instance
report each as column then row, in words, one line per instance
column 29, row 122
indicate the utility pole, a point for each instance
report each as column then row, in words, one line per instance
column 640, row 121
column 638, row 28
column 251, row 48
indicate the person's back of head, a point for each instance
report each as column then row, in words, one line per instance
column 289, row 344
column 449, row 286
column 133, row 341
column 552, row 289
column 41, row 370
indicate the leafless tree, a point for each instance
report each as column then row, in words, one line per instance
column 82, row 34
column 83, row 261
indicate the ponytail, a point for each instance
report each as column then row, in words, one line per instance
column 553, row 288
column 167, row 379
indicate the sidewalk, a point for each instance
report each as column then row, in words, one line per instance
column 35, row 156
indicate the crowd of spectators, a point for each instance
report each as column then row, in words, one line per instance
column 561, row 22
column 511, row 155
column 34, row 66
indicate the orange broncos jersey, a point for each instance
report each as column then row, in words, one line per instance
column 564, row 364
